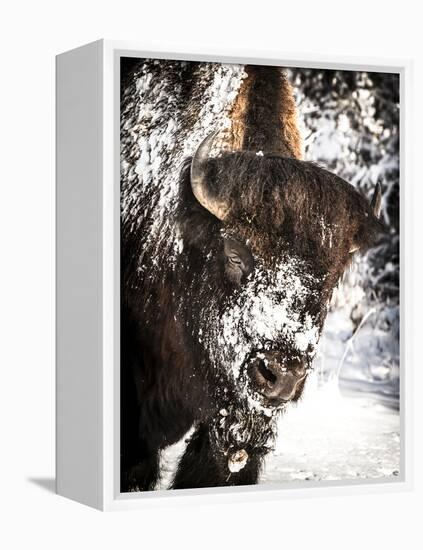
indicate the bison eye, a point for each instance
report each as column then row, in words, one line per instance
column 235, row 260
column 238, row 260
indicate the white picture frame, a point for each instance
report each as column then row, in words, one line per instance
column 88, row 221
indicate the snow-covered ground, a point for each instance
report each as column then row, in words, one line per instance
column 329, row 436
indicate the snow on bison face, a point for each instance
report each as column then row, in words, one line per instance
column 265, row 332
column 266, row 239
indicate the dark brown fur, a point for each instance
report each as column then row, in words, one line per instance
column 279, row 205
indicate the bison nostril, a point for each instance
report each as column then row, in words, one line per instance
column 277, row 379
column 266, row 373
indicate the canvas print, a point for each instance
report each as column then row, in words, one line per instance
column 259, row 328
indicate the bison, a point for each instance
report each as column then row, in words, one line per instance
column 231, row 246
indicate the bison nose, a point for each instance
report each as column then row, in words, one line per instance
column 277, row 380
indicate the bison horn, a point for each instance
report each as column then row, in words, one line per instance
column 376, row 206
column 376, row 202
column 199, row 183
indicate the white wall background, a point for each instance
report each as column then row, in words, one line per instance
column 31, row 34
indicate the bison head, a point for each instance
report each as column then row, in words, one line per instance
column 266, row 239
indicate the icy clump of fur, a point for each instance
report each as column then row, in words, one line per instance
column 243, row 426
